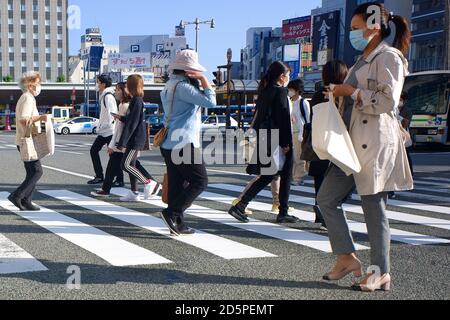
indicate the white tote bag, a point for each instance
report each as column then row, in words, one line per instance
column 50, row 134
column 331, row 140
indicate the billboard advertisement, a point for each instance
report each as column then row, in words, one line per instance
column 297, row 28
column 291, row 53
column 129, row 60
column 326, row 33
column 149, row 77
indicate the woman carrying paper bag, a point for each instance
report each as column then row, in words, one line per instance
column 371, row 95
column 27, row 116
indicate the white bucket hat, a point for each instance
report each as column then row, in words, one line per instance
column 187, row 60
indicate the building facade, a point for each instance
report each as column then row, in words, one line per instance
column 34, row 36
column 429, row 48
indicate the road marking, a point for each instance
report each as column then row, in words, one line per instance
column 434, row 184
column 11, row 146
column 71, row 152
column 295, row 236
column 74, row 145
column 112, row 249
column 69, row 172
column 447, row 180
column 216, row 245
column 13, row 259
column 397, row 235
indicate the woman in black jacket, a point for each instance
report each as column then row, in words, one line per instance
column 272, row 115
column 134, row 137
column 334, row 72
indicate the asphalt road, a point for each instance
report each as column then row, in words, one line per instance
column 123, row 252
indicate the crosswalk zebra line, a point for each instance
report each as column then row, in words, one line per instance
column 113, row 250
column 11, row 146
column 397, row 235
column 15, row 260
column 213, row 244
column 398, row 203
column 295, row 236
column 415, row 195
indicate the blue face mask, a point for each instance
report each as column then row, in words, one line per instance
column 358, row 41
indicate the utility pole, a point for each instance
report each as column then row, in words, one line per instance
column 229, row 75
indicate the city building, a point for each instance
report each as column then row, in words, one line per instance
column 430, row 35
column 92, row 37
column 34, row 36
column 163, row 49
column 252, row 64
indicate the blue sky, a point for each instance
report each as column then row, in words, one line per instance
column 233, row 18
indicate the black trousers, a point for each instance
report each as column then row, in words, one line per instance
column 113, row 170
column 98, row 145
column 263, row 181
column 133, row 167
column 34, row 173
column 186, row 181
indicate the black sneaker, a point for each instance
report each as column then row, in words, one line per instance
column 117, row 184
column 30, row 206
column 185, row 230
column 238, row 214
column 287, row 219
column 169, row 223
column 16, row 202
column 96, row 181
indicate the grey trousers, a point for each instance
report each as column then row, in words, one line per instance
column 336, row 187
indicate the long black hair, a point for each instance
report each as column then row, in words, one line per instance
column 334, row 72
column 402, row 38
column 276, row 69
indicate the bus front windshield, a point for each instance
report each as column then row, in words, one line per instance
column 426, row 94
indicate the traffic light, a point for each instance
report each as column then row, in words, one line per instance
column 218, row 81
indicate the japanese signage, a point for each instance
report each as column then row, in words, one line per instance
column 326, row 33
column 297, row 28
column 93, row 57
column 129, row 60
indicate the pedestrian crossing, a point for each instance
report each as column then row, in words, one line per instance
column 213, row 235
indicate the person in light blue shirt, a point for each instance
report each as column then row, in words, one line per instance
column 183, row 101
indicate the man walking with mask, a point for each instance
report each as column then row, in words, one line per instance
column 105, row 130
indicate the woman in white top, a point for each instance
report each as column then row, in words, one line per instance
column 27, row 116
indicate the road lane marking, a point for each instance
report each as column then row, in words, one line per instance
column 216, row 245
column 397, row 235
column 113, row 250
column 71, row 152
column 80, row 175
column 270, row 230
column 14, row 259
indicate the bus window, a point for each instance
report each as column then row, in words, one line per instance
column 427, row 98
column 56, row 113
column 65, row 113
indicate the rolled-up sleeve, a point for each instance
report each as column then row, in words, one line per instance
column 388, row 86
column 192, row 95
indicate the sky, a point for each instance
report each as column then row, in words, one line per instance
column 145, row 17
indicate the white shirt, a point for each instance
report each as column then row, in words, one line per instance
column 298, row 121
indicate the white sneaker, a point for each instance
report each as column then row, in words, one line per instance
column 151, row 189
column 131, row 197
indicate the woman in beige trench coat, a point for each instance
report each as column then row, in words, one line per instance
column 371, row 93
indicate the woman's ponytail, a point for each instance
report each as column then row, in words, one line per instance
column 402, row 33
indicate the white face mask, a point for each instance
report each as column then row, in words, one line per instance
column 38, row 90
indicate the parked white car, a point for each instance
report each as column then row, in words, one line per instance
column 86, row 125
column 219, row 123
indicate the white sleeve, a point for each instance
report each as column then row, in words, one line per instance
column 307, row 108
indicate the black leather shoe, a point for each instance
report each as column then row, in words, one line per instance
column 238, row 214
column 30, row 206
column 16, row 202
column 287, row 219
column 95, row 181
column 169, row 223
column 117, row 184
column 185, row 230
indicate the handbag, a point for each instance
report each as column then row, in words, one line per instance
column 162, row 134
column 34, row 147
column 331, row 140
column 406, row 136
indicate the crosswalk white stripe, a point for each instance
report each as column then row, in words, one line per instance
column 299, row 237
column 1, row 147
column 414, row 195
column 447, row 180
column 112, row 249
column 397, row 235
column 14, row 259
column 74, row 145
column 401, row 204
column 11, row 146
column 216, row 245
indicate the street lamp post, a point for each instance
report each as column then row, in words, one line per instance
column 197, row 24
column 229, row 75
